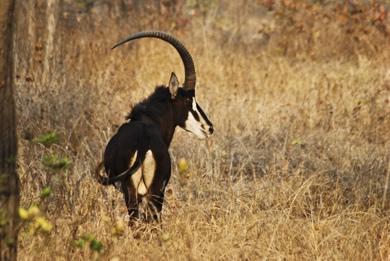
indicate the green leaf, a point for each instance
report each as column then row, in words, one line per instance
column 10, row 241
column 88, row 237
column 47, row 139
column 46, row 192
column 79, row 243
column 55, row 162
column 3, row 218
column 96, row 245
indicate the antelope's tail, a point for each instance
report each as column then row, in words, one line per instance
column 126, row 174
column 101, row 179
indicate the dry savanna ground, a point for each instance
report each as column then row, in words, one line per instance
column 298, row 167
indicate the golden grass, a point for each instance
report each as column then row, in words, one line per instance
column 298, row 167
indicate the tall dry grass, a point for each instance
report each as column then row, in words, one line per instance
column 298, row 167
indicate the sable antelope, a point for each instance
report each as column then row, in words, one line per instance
column 136, row 158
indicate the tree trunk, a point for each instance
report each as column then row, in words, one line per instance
column 9, row 182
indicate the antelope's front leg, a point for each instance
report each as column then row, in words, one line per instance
column 155, row 203
column 157, row 189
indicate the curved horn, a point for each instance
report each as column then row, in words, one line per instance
column 189, row 68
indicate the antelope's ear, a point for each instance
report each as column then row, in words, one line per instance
column 173, row 85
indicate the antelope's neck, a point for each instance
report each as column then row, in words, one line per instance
column 165, row 124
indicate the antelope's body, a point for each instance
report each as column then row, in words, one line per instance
column 136, row 158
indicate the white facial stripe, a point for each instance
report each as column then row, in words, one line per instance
column 193, row 125
column 195, row 108
column 194, row 105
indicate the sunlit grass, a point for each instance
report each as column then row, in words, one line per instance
column 296, row 169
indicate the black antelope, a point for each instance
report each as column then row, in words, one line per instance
column 136, row 158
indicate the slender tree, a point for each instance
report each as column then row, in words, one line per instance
column 9, row 183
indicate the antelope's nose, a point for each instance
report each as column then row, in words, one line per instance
column 211, row 129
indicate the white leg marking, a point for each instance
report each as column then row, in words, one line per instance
column 145, row 174
column 149, row 168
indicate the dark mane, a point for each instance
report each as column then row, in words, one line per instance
column 152, row 106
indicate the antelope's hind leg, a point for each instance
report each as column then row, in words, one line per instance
column 130, row 194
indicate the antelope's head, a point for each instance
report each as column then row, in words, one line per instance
column 187, row 112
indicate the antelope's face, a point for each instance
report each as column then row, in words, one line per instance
column 189, row 115
column 196, row 120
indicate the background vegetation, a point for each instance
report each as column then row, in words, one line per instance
column 298, row 91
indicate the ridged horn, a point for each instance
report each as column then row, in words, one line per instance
column 189, row 67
